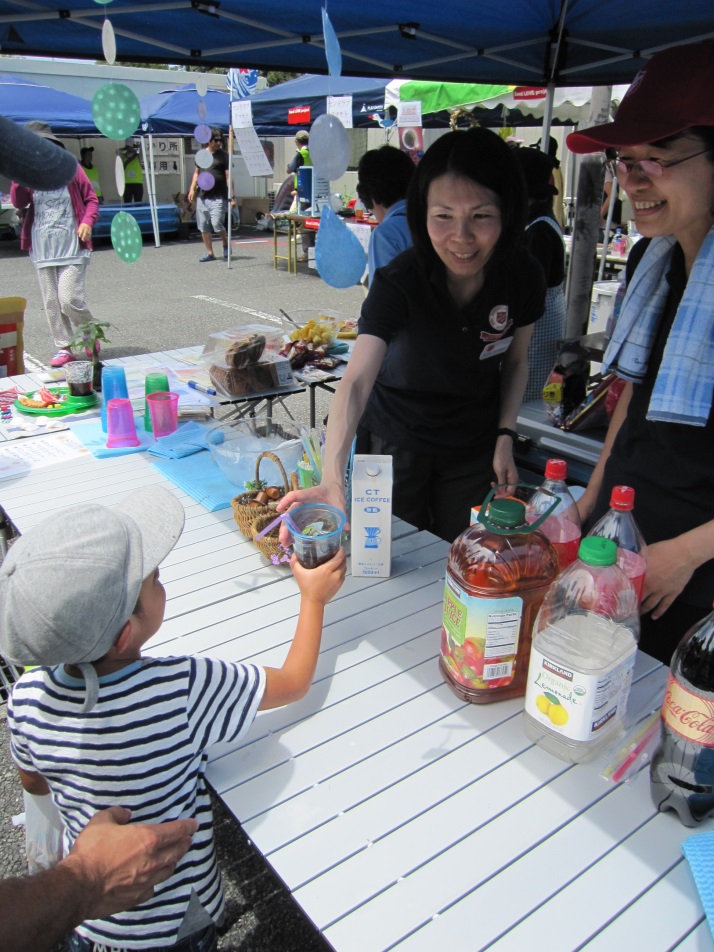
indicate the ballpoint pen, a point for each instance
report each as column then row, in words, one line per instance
column 197, row 386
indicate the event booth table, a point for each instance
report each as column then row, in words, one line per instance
column 397, row 814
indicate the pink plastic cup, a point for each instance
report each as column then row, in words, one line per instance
column 121, row 426
column 163, row 408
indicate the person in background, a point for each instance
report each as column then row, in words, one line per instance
column 438, row 370
column 383, row 177
column 86, row 158
column 661, row 434
column 113, row 865
column 133, row 172
column 556, row 181
column 212, row 203
column 99, row 725
column 544, row 240
column 57, row 232
column 301, row 157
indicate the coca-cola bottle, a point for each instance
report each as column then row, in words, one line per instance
column 619, row 525
column 682, row 769
column 562, row 528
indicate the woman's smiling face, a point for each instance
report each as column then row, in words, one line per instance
column 678, row 202
column 463, row 220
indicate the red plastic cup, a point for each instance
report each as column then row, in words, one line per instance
column 121, row 426
column 163, row 408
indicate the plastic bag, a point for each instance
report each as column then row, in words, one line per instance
column 43, row 832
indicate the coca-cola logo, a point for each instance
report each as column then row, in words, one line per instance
column 689, row 715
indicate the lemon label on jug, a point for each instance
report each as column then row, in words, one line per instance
column 574, row 704
column 479, row 637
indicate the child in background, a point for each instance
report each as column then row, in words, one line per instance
column 103, row 726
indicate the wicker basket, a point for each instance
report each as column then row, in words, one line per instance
column 270, row 543
column 245, row 514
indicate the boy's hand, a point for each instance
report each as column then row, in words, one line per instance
column 322, row 583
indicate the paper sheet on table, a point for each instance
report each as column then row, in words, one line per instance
column 26, row 424
column 44, row 450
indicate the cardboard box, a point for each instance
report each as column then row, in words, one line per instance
column 371, row 533
column 250, row 207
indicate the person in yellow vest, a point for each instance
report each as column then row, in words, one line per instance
column 133, row 172
column 301, row 157
column 86, row 158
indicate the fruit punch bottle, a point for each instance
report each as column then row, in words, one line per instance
column 498, row 572
column 584, row 646
column 682, row 769
column 619, row 525
column 562, row 528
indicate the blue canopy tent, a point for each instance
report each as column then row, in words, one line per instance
column 271, row 107
column 175, row 111
column 23, row 101
column 522, row 42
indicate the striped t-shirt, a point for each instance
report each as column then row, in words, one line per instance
column 142, row 746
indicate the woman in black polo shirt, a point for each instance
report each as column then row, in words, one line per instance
column 439, row 367
column 661, row 437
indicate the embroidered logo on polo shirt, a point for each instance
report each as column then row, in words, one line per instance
column 498, row 319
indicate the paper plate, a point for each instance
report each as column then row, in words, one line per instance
column 69, row 404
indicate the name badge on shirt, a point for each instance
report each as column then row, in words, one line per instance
column 495, row 348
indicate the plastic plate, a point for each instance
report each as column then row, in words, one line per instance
column 69, row 404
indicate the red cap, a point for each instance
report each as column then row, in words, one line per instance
column 556, row 469
column 670, row 94
column 623, row 497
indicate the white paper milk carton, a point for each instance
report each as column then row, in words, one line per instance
column 371, row 533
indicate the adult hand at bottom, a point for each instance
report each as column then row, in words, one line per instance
column 325, row 492
column 120, row 863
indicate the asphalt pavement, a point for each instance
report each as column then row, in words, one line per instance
column 169, row 299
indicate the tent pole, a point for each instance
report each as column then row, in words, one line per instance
column 606, row 235
column 547, row 118
column 149, row 168
column 229, row 227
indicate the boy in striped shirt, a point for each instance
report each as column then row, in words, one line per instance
column 99, row 725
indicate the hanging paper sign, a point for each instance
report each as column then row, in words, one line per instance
column 299, row 115
column 202, row 133
column 411, row 141
column 241, row 114
column 126, row 237
column 109, row 43
column 256, row 161
column 119, row 175
column 339, row 256
column 409, row 113
column 530, row 92
column 116, row 111
column 333, row 53
column 166, row 166
column 329, row 147
column 164, row 146
column 341, row 106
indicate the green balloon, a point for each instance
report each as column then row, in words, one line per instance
column 103, row 2
column 116, row 111
column 126, row 237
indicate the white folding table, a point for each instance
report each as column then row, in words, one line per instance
column 398, row 815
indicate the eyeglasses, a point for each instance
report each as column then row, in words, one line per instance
column 652, row 168
column 217, row 139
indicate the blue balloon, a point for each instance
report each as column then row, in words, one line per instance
column 332, row 46
column 339, row 256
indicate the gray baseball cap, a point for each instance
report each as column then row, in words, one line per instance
column 70, row 584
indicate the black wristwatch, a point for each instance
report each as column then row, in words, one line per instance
column 505, row 431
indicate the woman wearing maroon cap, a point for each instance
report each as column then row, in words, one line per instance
column 661, row 437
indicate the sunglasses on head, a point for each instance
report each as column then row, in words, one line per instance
column 216, row 138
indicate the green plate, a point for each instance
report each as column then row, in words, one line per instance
column 69, row 404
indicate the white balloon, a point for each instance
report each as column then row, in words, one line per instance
column 201, row 84
column 109, row 43
column 119, row 175
column 203, row 159
column 329, row 147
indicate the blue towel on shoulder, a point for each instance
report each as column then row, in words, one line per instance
column 685, row 381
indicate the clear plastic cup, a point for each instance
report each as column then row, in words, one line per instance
column 163, row 408
column 113, row 387
column 78, row 374
column 317, row 532
column 121, row 427
column 156, row 382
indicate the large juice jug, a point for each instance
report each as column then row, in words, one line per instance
column 497, row 575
